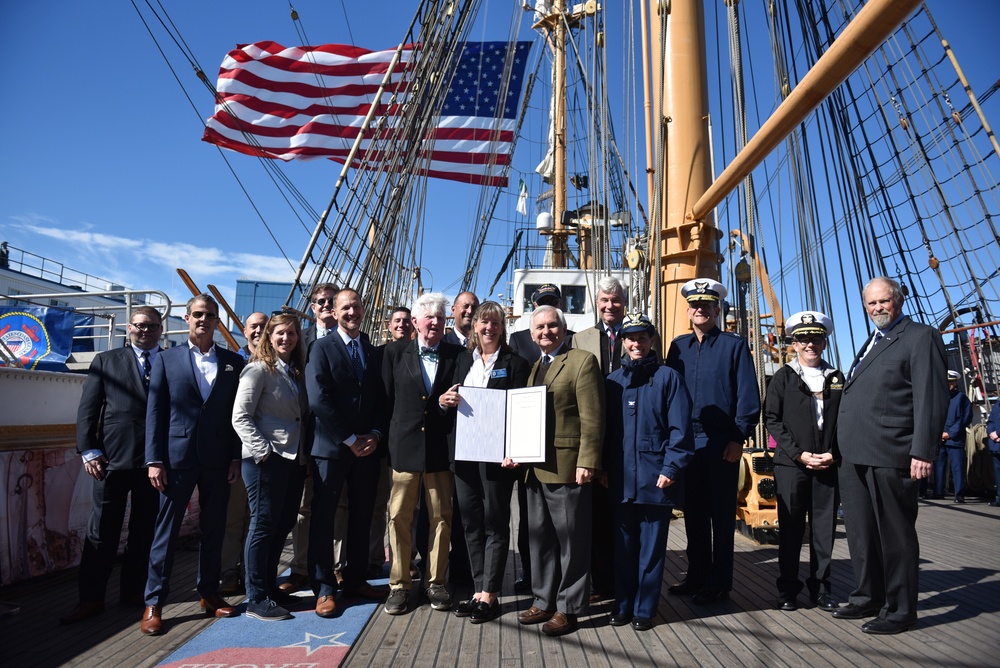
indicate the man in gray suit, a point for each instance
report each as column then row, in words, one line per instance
column 891, row 417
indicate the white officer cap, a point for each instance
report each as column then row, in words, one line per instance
column 808, row 322
column 954, row 375
column 703, row 289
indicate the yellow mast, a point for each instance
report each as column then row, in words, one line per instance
column 687, row 249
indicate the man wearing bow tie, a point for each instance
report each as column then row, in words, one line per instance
column 110, row 434
column 347, row 399
column 416, row 374
column 190, row 441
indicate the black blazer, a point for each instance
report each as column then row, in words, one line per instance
column 517, row 371
column 112, row 413
column 340, row 405
column 790, row 415
column 419, row 429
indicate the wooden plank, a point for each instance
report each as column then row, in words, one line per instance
column 960, row 576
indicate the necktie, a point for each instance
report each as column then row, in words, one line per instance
column 359, row 369
column 146, row 368
column 611, row 342
column 543, row 369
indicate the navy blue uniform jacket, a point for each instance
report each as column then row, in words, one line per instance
column 958, row 420
column 648, row 433
column 722, row 383
column 993, row 425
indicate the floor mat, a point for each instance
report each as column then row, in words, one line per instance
column 306, row 639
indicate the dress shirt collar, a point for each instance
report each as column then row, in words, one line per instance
column 195, row 348
column 347, row 337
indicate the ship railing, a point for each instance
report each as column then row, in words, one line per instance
column 111, row 316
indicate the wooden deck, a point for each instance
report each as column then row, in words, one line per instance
column 959, row 620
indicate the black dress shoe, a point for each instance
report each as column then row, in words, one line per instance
column 642, row 624
column 683, row 588
column 994, row 504
column 827, row 603
column 465, row 608
column 851, row 611
column 523, row 583
column 620, row 620
column 709, row 595
column 959, row 499
column 485, row 612
column 787, row 604
column 83, row 610
column 883, row 627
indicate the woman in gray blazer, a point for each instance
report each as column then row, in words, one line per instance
column 268, row 416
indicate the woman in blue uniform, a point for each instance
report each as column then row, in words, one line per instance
column 800, row 412
column 647, row 446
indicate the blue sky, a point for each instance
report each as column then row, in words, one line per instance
column 105, row 171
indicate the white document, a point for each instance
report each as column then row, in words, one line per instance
column 492, row 424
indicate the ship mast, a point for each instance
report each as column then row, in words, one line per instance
column 683, row 249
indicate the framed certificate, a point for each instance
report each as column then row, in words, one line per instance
column 493, row 424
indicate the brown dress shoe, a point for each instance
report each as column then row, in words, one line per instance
column 294, row 583
column 559, row 625
column 216, row 605
column 325, row 606
column 366, row 590
column 152, row 622
column 534, row 615
column 82, row 611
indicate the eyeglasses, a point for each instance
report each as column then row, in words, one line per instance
column 207, row 315
column 145, row 326
column 815, row 340
column 324, row 301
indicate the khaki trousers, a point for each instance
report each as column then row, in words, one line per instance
column 439, row 491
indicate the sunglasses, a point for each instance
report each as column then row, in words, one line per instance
column 325, row 301
column 815, row 340
column 145, row 326
column 207, row 315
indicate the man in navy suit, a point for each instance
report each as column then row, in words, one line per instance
column 347, row 399
column 892, row 415
column 190, row 441
column 322, row 299
column 416, row 373
column 111, row 436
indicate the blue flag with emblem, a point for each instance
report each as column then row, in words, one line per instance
column 38, row 337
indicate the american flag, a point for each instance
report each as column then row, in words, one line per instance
column 309, row 102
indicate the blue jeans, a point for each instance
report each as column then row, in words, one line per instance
column 274, row 488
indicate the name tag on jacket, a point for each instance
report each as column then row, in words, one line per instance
column 498, row 373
